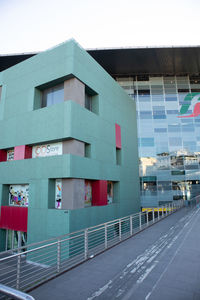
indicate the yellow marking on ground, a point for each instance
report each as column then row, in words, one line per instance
column 160, row 209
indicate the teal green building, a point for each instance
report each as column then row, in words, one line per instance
column 68, row 147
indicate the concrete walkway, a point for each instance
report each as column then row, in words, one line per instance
column 162, row 262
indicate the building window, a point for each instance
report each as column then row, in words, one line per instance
column 18, row 195
column 53, row 95
column 88, row 193
column 10, row 154
column 118, row 157
column 110, row 192
column 91, row 100
column 58, row 193
column 88, row 102
column 87, row 150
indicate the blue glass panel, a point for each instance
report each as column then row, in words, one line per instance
column 147, row 142
column 158, row 108
column 146, row 117
column 178, row 172
column 174, row 128
column 175, row 141
column 145, row 112
column 188, row 128
column 160, row 117
column 187, row 121
column 160, row 129
column 157, row 98
column 172, row 112
column 172, row 98
column 158, row 112
column 189, row 143
column 144, row 98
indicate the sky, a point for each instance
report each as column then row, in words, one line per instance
column 36, row 25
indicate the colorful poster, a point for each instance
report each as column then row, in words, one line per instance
column 10, row 154
column 18, row 194
column 47, row 150
column 88, row 193
column 110, row 192
column 58, row 196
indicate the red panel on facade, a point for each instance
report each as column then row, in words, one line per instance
column 22, row 152
column 3, row 155
column 99, row 192
column 14, row 218
column 28, row 152
column 118, row 136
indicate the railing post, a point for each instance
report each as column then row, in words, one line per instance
column 153, row 215
column 58, row 255
column 106, row 236
column 86, row 243
column 158, row 213
column 140, row 220
column 18, row 271
column 120, row 229
column 147, row 214
column 131, row 226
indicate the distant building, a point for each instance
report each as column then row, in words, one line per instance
column 68, row 147
column 165, row 84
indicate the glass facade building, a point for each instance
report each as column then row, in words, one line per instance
column 168, row 120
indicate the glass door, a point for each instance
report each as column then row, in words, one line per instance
column 15, row 239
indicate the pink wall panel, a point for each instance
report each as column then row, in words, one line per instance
column 22, row 152
column 99, row 192
column 14, row 218
column 118, row 136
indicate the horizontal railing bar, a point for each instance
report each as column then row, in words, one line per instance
column 14, row 293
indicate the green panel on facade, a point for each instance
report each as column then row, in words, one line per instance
column 25, row 122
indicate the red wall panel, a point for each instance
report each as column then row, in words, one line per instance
column 14, row 218
column 99, row 192
column 3, row 155
column 118, row 136
column 22, row 152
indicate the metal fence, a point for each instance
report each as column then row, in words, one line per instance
column 29, row 266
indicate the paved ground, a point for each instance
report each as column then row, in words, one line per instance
column 162, row 262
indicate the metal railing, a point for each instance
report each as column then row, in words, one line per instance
column 15, row 294
column 33, row 264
